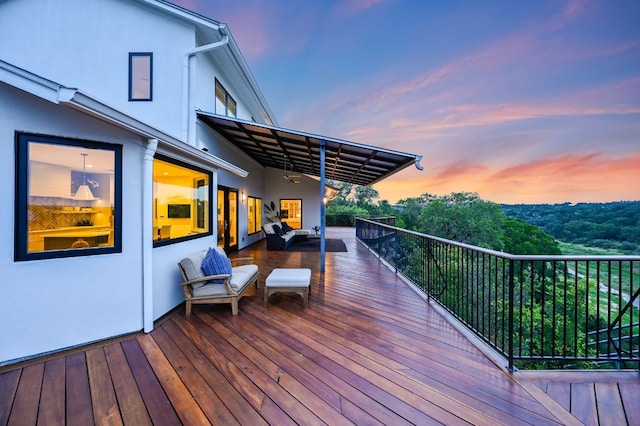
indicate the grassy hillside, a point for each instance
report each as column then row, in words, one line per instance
column 610, row 226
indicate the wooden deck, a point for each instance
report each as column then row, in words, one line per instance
column 366, row 351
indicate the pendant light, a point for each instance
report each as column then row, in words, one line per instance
column 84, row 192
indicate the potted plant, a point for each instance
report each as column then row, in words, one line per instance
column 273, row 215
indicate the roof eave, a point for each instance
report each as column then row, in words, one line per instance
column 278, row 147
column 76, row 99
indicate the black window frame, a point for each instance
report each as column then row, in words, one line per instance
column 282, row 218
column 21, row 202
column 140, row 54
column 162, row 243
column 255, row 215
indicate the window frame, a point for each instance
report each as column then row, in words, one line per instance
column 133, row 55
column 227, row 100
column 282, row 218
column 179, row 163
column 21, row 202
column 257, row 217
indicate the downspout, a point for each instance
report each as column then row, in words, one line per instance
column 188, row 73
column 147, row 238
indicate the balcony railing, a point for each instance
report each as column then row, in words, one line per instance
column 536, row 311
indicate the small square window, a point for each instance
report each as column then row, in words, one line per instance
column 140, row 76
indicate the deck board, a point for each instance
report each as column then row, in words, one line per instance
column 27, row 395
column 8, row 385
column 103, row 395
column 132, row 406
column 52, row 400
column 77, row 391
column 367, row 350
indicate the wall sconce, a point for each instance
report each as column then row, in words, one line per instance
column 244, row 197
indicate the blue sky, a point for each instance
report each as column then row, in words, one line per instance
column 522, row 102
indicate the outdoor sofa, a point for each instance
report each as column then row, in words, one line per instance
column 280, row 236
column 200, row 287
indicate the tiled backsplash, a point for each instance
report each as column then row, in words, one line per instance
column 48, row 213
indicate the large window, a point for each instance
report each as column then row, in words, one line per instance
column 181, row 195
column 68, row 197
column 291, row 212
column 140, row 76
column 254, row 215
column 225, row 105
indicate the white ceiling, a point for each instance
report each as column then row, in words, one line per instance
column 98, row 160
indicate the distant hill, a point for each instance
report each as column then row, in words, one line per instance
column 606, row 225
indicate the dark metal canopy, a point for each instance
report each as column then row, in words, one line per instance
column 299, row 152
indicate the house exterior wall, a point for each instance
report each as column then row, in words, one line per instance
column 253, row 185
column 52, row 304
column 48, row 305
column 308, row 190
column 74, row 43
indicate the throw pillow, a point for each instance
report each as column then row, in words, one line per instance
column 215, row 264
column 277, row 230
column 285, row 227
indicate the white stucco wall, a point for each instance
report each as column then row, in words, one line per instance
column 308, row 190
column 72, row 43
column 252, row 185
column 47, row 305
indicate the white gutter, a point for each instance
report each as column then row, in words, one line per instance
column 188, row 73
column 147, row 238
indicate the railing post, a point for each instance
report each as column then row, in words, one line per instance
column 511, row 325
column 395, row 250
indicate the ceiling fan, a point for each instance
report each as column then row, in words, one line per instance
column 290, row 176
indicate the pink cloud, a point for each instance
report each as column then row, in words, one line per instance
column 572, row 178
column 347, row 8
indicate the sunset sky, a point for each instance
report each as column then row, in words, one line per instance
column 521, row 102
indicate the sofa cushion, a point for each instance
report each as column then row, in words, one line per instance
column 250, row 269
column 286, row 228
column 289, row 235
column 277, row 230
column 268, row 228
column 192, row 267
column 210, row 290
column 215, row 264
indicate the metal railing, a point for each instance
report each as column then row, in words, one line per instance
column 350, row 220
column 536, row 311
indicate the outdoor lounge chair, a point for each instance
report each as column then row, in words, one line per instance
column 222, row 288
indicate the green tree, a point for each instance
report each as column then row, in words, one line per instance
column 365, row 195
column 521, row 238
column 463, row 217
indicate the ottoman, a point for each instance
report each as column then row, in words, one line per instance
column 288, row 280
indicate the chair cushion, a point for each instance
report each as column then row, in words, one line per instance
column 277, row 230
column 286, row 228
column 215, row 264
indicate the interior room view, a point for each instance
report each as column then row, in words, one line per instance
column 180, row 200
column 71, row 197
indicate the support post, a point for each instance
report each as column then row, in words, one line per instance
column 323, row 213
column 147, row 238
